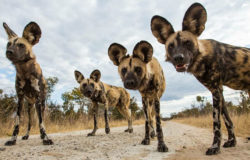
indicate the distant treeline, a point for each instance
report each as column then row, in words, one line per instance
column 75, row 106
column 204, row 107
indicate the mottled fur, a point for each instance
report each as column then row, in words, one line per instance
column 213, row 63
column 30, row 83
column 141, row 71
column 99, row 92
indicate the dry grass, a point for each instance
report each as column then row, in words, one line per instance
column 6, row 129
column 241, row 123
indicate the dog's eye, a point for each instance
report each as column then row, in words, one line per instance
column 20, row 45
column 8, row 44
column 84, row 85
column 171, row 46
column 124, row 70
column 92, row 85
column 138, row 70
column 188, row 43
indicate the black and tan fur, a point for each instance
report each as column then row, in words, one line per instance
column 30, row 83
column 213, row 63
column 141, row 71
column 99, row 92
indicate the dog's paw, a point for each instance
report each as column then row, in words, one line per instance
column 162, row 147
column 129, row 130
column 107, row 130
column 152, row 134
column 25, row 137
column 230, row 143
column 48, row 142
column 145, row 141
column 212, row 151
column 10, row 143
column 91, row 134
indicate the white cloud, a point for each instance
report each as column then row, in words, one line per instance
column 76, row 35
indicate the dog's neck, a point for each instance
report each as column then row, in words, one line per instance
column 26, row 68
column 146, row 82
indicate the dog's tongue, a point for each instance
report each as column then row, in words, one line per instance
column 180, row 66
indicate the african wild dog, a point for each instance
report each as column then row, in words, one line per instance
column 99, row 92
column 213, row 63
column 141, row 71
column 30, row 83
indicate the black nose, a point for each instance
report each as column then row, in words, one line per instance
column 9, row 52
column 179, row 58
column 88, row 92
column 129, row 83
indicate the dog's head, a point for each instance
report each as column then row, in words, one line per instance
column 181, row 46
column 19, row 49
column 89, row 87
column 132, row 68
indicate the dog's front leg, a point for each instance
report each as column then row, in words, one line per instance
column 17, row 121
column 95, row 109
column 161, row 144
column 217, row 105
column 146, row 140
column 44, row 137
column 26, row 136
column 107, row 129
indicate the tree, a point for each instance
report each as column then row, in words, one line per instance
column 244, row 102
column 75, row 97
column 8, row 103
column 51, row 82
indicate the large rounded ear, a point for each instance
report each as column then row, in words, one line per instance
column 78, row 76
column 32, row 33
column 144, row 51
column 195, row 19
column 9, row 32
column 116, row 52
column 95, row 75
column 161, row 28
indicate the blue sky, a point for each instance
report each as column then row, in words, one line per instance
column 76, row 35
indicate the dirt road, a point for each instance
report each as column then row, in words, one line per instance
column 184, row 143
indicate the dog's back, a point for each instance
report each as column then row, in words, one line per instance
column 230, row 63
column 116, row 96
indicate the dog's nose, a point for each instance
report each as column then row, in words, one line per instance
column 129, row 83
column 179, row 58
column 88, row 92
column 9, row 52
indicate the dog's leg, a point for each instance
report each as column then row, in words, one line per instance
column 107, row 129
column 146, row 140
column 231, row 142
column 95, row 108
column 126, row 112
column 44, row 137
column 17, row 121
column 161, row 144
column 217, row 105
column 26, row 136
column 151, row 121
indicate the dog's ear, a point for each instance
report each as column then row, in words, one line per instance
column 144, row 51
column 32, row 33
column 78, row 76
column 161, row 28
column 95, row 75
column 9, row 32
column 116, row 52
column 195, row 19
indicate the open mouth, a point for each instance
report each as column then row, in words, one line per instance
column 181, row 67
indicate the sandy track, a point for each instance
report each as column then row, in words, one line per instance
column 184, row 143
